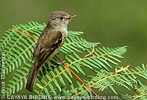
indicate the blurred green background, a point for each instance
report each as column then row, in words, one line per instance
column 111, row 22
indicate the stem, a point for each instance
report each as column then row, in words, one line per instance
column 78, row 78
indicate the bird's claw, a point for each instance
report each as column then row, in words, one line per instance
column 57, row 64
column 61, row 63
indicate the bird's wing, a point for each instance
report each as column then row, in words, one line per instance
column 47, row 43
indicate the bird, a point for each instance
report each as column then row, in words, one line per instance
column 50, row 41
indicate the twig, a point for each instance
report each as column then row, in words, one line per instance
column 89, row 53
column 25, row 34
column 78, row 78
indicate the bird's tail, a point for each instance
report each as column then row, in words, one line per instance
column 32, row 77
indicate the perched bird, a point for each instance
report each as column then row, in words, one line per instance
column 49, row 42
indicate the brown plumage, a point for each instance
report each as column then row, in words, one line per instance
column 49, row 42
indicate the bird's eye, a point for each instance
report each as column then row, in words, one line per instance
column 61, row 18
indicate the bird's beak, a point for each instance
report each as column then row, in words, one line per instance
column 72, row 16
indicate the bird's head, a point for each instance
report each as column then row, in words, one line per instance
column 60, row 19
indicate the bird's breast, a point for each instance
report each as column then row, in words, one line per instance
column 64, row 34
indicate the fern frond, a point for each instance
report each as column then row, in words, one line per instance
column 75, row 43
column 140, row 94
column 101, row 58
column 19, row 79
column 18, row 47
column 105, row 79
column 52, row 80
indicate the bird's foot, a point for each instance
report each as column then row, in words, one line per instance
column 56, row 64
column 60, row 63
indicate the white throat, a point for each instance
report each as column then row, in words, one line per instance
column 64, row 24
